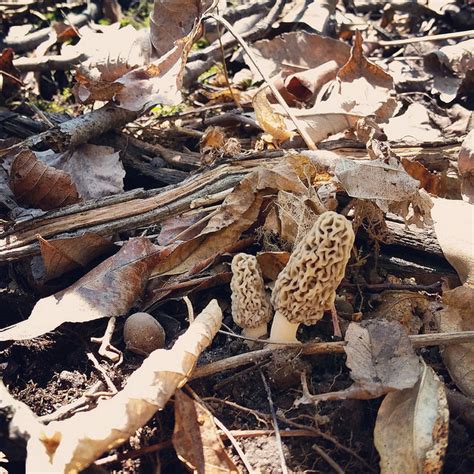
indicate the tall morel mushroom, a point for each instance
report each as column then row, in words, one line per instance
column 306, row 287
column 251, row 308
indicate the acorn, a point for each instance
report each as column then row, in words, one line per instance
column 143, row 334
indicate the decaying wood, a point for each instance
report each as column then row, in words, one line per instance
column 82, row 129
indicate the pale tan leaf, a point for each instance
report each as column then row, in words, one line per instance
column 313, row 50
column 73, row 444
column 457, row 315
column 96, row 171
column 196, row 439
column 411, row 432
column 110, row 289
column 381, row 359
column 454, row 224
column 66, row 254
column 387, row 182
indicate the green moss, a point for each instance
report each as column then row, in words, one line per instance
column 213, row 70
column 166, row 110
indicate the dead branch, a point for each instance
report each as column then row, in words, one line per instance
column 419, row 340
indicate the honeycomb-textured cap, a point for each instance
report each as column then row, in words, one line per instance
column 306, row 287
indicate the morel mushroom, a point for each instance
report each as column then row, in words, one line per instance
column 251, row 308
column 306, row 287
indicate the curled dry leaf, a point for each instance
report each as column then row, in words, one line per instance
column 63, row 255
column 110, row 289
column 36, row 184
column 236, row 214
column 411, row 432
column 452, row 67
column 381, row 359
column 270, row 121
column 139, row 69
column 73, row 444
column 454, row 224
column 196, row 439
column 362, row 89
column 429, row 181
column 10, row 76
column 457, row 315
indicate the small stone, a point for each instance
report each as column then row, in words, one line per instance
column 143, row 334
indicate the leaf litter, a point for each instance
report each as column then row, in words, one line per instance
column 90, row 234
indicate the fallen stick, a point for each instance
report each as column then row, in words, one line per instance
column 420, row 39
column 418, row 340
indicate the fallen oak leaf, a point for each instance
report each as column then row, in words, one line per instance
column 73, row 444
column 110, row 289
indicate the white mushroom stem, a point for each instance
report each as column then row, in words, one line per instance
column 282, row 330
column 257, row 332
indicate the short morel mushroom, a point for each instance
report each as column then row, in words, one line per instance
column 306, row 287
column 251, row 309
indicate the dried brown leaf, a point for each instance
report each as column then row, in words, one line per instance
column 196, row 439
column 411, row 432
column 63, row 255
column 36, row 184
column 110, row 289
column 381, row 359
column 236, row 214
column 429, row 181
column 10, row 83
column 272, row 263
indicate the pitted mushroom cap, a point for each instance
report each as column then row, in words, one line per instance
column 250, row 305
column 306, row 287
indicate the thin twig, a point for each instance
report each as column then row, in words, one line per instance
column 102, row 372
column 308, row 140
column 275, row 425
column 419, row 39
column 66, row 410
column 328, row 459
column 419, row 340
column 106, row 348
column 224, row 65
